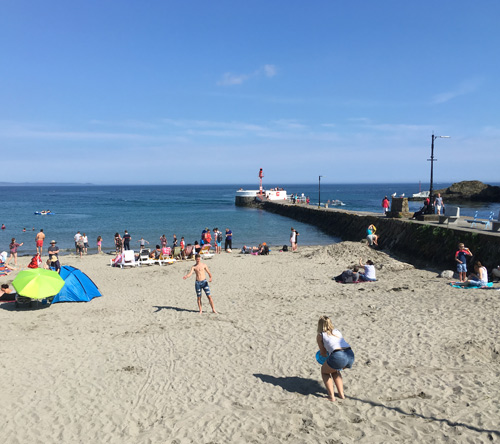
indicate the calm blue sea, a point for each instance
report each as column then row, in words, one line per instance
column 150, row 211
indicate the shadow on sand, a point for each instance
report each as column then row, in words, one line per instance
column 305, row 386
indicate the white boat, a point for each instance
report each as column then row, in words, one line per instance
column 422, row 194
column 245, row 197
column 248, row 196
column 337, row 203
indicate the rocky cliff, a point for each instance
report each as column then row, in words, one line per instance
column 472, row 190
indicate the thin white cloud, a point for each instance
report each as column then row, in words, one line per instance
column 466, row 87
column 269, row 70
column 229, row 78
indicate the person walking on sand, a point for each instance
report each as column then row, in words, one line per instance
column 39, row 241
column 339, row 356
column 201, row 281
column 13, row 251
column 99, row 244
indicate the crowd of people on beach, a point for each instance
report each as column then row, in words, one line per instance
column 335, row 354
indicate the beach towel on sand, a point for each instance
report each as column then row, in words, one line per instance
column 487, row 286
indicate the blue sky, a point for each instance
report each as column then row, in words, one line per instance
column 162, row 92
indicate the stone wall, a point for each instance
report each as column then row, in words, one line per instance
column 417, row 242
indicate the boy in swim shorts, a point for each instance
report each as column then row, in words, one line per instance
column 201, row 281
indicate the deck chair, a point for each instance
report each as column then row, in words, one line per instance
column 128, row 259
column 165, row 260
column 188, row 253
column 177, row 253
column 205, row 252
column 144, row 258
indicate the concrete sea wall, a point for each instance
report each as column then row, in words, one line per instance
column 417, row 242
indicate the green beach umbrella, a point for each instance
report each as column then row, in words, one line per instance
column 38, row 283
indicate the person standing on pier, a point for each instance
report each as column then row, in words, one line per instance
column 439, row 204
column 385, row 204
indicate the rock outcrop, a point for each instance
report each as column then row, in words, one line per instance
column 472, row 190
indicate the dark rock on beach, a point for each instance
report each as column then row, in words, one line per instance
column 472, row 190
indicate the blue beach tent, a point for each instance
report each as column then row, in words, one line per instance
column 78, row 287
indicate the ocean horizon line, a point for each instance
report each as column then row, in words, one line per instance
column 255, row 185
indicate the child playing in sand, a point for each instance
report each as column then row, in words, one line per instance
column 461, row 258
column 201, row 281
column 340, row 356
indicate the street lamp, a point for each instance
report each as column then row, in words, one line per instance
column 430, row 208
column 319, row 191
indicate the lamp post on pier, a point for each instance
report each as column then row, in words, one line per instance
column 319, row 191
column 430, row 208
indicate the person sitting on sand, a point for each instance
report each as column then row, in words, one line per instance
column 479, row 278
column 36, row 261
column 496, row 272
column 156, row 253
column 371, row 236
column 263, row 249
column 249, row 250
column 188, row 252
column 368, row 272
column 6, row 294
column 4, row 267
column 340, row 356
column 348, row 276
column 197, row 247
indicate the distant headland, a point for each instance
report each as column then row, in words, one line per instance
column 471, row 190
column 43, row 184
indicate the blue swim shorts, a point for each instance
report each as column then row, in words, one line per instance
column 462, row 268
column 341, row 359
column 199, row 285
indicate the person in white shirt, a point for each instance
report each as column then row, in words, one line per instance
column 339, row 356
column 368, row 275
column 77, row 237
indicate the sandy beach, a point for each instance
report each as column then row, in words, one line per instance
column 141, row 365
